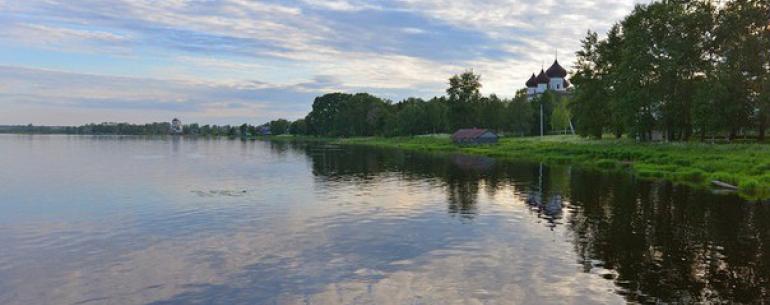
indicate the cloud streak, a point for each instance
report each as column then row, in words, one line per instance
column 268, row 52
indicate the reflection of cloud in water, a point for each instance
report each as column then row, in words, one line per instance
column 391, row 262
column 216, row 193
column 362, row 226
column 148, row 157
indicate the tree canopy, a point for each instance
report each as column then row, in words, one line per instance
column 677, row 68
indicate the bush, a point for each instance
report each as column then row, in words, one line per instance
column 750, row 186
column 607, row 164
column 761, row 168
column 726, row 178
column 692, row 175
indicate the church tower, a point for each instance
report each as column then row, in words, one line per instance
column 554, row 79
column 557, row 76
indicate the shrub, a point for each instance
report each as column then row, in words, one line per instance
column 750, row 186
column 607, row 164
column 692, row 175
column 761, row 168
column 725, row 177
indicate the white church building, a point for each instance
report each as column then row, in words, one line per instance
column 176, row 126
column 554, row 79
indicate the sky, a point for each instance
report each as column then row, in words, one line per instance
column 234, row 61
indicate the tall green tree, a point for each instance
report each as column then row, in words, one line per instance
column 590, row 106
column 437, row 115
column 298, row 127
column 742, row 58
column 279, row 126
column 491, row 113
column 519, row 114
column 463, row 98
column 560, row 118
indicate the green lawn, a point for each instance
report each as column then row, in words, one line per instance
column 744, row 165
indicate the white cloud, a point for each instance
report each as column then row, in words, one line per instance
column 413, row 30
column 67, row 38
column 339, row 5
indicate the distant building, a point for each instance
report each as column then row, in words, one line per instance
column 176, row 126
column 553, row 79
column 474, row 136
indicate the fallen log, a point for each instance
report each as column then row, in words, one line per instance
column 724, row 185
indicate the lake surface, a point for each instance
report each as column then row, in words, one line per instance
column 128, row 220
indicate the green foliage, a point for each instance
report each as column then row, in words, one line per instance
column 560, row 118
column 590, row 105
column 548, row 101
column 607, row 164
column 725, row 177
column 519, row 115
column 692, row 175
column 298, row 127
column 279, row 127
column 677, row 67
column 463, row 97
column 347, row 115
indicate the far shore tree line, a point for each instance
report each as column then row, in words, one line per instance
column 109, row 128
column 363, row 114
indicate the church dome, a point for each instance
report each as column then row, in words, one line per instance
column 542, row 78
column 556, row 70
column 532, row 82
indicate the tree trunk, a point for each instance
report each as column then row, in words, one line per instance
column 733, row 134
column 762, row 127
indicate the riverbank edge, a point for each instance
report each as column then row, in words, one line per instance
column 746, row 166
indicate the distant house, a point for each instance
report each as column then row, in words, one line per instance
column 176, row 126
column 474, row 136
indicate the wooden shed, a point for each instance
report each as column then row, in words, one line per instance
column 474, row 136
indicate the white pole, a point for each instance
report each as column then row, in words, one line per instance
column 541, row 118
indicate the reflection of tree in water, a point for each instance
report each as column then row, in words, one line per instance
column 662, row 243
column 545, row 193
column 462, row 179
column 672, row 244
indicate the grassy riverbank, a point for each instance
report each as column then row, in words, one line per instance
column 744, row 165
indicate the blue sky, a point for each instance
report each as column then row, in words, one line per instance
column 232, row 61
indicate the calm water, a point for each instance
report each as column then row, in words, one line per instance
column 121, row 220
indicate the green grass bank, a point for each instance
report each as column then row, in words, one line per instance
column 746, row 166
